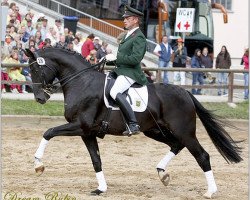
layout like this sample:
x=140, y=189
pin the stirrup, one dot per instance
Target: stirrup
x=132, y=129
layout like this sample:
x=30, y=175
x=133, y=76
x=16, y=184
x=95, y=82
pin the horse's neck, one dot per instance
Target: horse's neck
x=70, y=67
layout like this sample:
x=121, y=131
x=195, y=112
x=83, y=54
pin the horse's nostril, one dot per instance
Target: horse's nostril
x=41, y=101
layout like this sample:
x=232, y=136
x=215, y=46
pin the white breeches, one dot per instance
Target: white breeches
x=122, y=83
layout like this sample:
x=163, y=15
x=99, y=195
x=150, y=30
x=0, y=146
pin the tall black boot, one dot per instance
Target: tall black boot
x=133, y=127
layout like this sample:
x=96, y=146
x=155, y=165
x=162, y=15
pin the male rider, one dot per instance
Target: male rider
x=131, y=51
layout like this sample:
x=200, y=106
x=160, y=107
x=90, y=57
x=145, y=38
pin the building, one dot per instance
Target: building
x=235, y=34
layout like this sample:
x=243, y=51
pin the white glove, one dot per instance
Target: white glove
x=110, y=57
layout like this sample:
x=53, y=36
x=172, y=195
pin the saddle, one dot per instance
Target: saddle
x=136, y=95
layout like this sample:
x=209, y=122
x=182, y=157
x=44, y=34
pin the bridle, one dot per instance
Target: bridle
x=48, y=88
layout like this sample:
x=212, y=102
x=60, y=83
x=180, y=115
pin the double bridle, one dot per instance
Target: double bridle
x=48, y=88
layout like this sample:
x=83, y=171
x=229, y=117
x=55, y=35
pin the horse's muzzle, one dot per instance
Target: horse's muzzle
x=42, y=97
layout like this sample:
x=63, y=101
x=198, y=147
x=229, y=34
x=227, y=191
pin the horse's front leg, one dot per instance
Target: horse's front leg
x=70, y=129
x=92, y=146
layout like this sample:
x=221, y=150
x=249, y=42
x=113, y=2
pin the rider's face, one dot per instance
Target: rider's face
x=130, y=22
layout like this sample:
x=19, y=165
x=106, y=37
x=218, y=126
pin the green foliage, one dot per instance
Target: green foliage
x=56, y=108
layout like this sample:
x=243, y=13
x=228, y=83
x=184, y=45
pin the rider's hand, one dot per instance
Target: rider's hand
x=110, y=57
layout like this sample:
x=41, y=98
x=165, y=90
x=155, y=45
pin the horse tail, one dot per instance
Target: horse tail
x=223, y=142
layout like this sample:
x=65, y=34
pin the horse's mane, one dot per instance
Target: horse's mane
x=75, y=54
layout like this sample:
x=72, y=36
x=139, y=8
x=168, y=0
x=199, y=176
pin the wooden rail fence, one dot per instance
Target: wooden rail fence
x=230, y=86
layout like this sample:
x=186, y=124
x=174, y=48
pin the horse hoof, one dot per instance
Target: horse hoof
x=164, y=177
x=208, y=195
x=96, y=192
x=39, y=168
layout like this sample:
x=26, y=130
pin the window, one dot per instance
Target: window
x=226, y=3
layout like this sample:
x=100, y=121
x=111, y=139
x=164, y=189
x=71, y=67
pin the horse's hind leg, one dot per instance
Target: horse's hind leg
x=92, y=146
x=166, y=137
x=202, y=158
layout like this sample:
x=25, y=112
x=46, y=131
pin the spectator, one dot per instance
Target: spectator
x=70, y=46
x=44, y=29
x=13, y=21
x=47, y=42
x=97, y=43
x=70, y=37
x=180, y=58
x=246, y=75
x=12, y=8
x=24, y=21
x=77, y=45
x=32, y=48
x=7, y=47
x=24, y=34
x=15, y=73
x=5, y=3
x=38, y=39
x=79, y=35
x=88, y=45
x=91, y=58
x=13, y=31
x=26, y=72
x=29, y=27
x=20, y=52
x=207, y=62
x=52, y=36
x=149, y=75
x=39, y=19
x=223, y=61
x=66, y=33
x=31, y=43
x=102, y=51
x=196, y=62
x=18, y=15
x=61, y=43
x=58, y=28
x=164, y=51
x=38, y=28
x=17, y=39
x=4, y=76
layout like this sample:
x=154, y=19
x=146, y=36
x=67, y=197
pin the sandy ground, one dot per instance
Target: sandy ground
x=128, y=164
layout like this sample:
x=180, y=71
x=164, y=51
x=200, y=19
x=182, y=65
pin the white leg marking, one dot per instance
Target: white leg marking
x=212, y=188
x=102, y=185
x=40, y=151
x=163, y=163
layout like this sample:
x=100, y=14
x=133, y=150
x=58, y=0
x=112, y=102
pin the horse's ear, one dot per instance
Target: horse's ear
x=29, y=54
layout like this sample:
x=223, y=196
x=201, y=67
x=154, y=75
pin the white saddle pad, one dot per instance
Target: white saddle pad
x=137, y=96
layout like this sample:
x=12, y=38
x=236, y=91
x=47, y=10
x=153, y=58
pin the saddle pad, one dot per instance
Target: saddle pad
x=137, y=98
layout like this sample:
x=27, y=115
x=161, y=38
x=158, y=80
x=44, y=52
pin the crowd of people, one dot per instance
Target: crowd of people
x=201, y=59
x=33, y=32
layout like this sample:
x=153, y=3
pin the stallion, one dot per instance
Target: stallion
x=170, y=116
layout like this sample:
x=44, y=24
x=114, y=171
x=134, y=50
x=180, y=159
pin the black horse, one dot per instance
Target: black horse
x=170, y=116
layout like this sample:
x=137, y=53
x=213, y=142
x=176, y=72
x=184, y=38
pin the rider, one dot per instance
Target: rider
x=131, y=51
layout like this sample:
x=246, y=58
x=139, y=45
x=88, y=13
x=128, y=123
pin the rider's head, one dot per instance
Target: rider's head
x=131, y=17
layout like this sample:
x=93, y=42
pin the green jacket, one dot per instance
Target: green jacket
x=130, y=53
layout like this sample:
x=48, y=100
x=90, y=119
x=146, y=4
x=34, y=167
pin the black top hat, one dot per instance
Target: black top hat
x=132, y=12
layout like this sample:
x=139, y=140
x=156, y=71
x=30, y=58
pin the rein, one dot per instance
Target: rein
x=49, y=87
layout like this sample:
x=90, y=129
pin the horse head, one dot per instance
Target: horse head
x=43, y=73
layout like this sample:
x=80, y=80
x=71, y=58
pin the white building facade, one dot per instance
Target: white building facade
x=235, y=34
